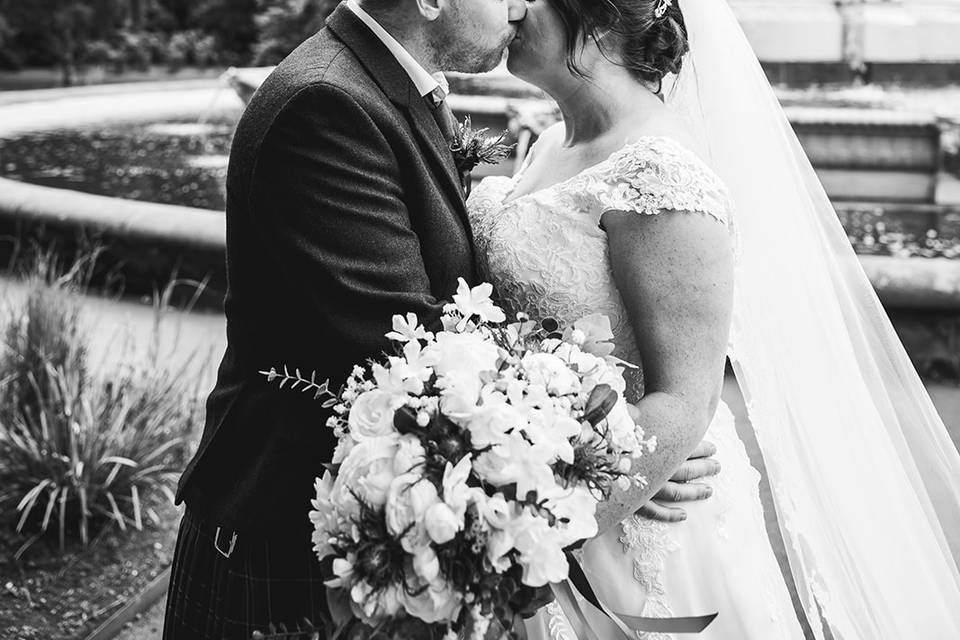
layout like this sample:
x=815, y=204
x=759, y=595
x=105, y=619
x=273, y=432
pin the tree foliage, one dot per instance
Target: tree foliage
x=120, y=34
x=284, y=24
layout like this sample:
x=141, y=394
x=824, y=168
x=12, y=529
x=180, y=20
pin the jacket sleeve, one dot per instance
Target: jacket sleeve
x=327, y=197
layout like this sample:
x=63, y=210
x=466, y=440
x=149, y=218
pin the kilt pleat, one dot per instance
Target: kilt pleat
x=265, y=580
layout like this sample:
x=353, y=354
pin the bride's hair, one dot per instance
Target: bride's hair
x=650, y=47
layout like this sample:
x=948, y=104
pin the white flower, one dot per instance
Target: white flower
x=597, y=333
x=575, y=509
x=442, y=523
x=461, y=360
x=343, y=570
x=489, y=424
x=552, y=431
x=437, y=602
x=372, y=608
x=367, y=471
x=622, y=431
x=409, y=498
x=407, y=374
x=426, y=564
x=324, y=516
x=408, y=329
x=410, y=454
x=396, y=382
x=371, y=416
x=499, y=544
x=456, y=493
x=342, y=450
x=541, y=551
x=517, y=461
x=476, y=302
x=551, y=372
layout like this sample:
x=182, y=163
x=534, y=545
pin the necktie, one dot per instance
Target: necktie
x=442, y=113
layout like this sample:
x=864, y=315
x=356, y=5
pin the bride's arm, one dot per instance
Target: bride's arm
x=674, y=272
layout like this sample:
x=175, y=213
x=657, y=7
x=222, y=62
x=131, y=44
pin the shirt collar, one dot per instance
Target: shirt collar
x=425, y=82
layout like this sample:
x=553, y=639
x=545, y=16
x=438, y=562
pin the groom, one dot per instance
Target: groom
x=344, y=207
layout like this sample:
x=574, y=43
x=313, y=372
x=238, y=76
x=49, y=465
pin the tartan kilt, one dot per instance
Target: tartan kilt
x=264, y=581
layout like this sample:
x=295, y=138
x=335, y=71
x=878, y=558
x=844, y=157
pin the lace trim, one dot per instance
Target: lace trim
x=649, y=543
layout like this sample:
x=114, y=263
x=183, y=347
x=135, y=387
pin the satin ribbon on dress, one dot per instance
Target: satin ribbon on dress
x=629, y=625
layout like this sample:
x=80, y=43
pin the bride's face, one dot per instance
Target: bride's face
x=539, y=52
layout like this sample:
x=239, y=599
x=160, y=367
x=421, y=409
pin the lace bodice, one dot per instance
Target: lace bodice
x=545, y=252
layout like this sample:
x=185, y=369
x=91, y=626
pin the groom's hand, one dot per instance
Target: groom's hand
x=682, y=486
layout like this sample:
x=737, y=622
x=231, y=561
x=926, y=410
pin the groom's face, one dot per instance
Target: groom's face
x=472, y=35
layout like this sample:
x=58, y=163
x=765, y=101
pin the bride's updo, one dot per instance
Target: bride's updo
x=650, y=46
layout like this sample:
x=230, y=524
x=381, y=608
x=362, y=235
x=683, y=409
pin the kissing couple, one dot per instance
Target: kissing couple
x=674, y=199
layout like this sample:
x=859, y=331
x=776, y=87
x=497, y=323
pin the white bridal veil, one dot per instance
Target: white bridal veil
x=865, y=478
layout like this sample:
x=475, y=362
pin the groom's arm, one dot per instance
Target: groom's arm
x=326, y=193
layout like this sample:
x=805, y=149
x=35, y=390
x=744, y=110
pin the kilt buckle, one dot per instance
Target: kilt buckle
x=229, y=551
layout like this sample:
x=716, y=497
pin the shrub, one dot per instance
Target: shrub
x=79, y=452
x=191, y=47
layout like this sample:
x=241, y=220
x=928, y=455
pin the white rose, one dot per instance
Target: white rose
x=550, y=371
x=371, y=416
x=367, y=471
x=408, y=499
x=442, y=523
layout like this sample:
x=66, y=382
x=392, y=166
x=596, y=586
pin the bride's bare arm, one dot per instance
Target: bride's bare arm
x=674, y=272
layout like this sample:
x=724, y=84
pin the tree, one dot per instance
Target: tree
x=284, y=24
x=8, y=59
x=58, y=32
x=231, y=22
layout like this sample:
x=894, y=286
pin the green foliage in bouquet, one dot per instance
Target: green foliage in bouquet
x=78, y=451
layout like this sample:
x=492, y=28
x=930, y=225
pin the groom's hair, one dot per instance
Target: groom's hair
x=650, y=46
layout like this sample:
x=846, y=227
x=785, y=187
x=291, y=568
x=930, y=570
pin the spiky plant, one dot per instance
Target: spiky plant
x=80, y=451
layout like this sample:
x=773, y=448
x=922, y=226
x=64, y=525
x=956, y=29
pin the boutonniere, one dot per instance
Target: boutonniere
x=474, y=147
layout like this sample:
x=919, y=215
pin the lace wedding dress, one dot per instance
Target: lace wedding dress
x=546, y=255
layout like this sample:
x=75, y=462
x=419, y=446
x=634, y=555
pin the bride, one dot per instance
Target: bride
x=698, y=226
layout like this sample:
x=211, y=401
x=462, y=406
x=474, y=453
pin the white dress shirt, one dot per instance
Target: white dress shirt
x=424, y=81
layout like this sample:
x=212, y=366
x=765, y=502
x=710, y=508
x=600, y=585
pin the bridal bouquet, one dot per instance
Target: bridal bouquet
x=467, y=464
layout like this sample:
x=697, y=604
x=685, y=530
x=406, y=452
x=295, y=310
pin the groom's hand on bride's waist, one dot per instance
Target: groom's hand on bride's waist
x=683, y=486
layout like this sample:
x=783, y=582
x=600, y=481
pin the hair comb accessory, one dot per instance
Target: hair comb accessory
x=661, y=8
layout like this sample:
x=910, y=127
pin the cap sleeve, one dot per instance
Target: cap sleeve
x=655, y=175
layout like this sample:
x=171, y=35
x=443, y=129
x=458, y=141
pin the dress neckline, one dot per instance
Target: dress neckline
x=507, y=200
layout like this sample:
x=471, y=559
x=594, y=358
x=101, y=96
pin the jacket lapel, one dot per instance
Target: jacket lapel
x=399, y=88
